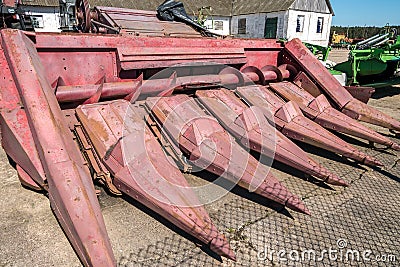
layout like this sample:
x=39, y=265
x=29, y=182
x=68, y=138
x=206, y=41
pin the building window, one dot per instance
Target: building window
x=300, y=23
x=218, y=25
x=242, y=26
x=320, y=24
x=37, y=21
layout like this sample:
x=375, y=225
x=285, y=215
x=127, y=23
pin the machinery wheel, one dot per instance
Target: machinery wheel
x=82, y=8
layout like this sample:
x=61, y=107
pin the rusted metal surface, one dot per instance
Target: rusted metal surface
x=361, y=93
x=334, y=90
x=363, y=112
x=291, y=122
x=137, y=162
x=71, y=193
x=46, y=76
x=320, y=110
x=249, y=126
x=137, y=22
x=210, y=147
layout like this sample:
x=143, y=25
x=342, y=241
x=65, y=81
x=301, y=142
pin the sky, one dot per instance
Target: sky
x=366, y=12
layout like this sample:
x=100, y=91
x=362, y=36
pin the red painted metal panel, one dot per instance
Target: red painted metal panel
x=138, y=163
x=10, y=3
x=17, y=140
x=320, y=110
x=303, y=56
x=91, y=41
x=260, y=57
x=9, y=98
x=71, y=191
x=157, y=57
x=78, y=67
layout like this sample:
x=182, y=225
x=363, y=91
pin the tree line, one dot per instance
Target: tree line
x=360, y=32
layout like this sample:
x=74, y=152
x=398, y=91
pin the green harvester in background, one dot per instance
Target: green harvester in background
x=373, y=62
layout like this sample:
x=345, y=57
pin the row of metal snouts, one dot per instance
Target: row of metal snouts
x=202, y=128
x=251, y=128
x=208, y=128
x=205, y=137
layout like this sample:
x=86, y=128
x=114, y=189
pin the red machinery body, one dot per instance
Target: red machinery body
x=80, y=107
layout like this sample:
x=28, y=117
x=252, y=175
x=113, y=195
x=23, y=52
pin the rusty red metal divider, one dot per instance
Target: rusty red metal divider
x=209, y=146
x=334, y=90
x=134, y=157
x=320, y=110
x=71, y=191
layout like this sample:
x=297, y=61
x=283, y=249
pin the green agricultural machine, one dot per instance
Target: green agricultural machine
x=321, y=52
x=374, y=61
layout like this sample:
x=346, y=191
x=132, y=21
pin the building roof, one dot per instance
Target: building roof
x=224, y=7
x=48, y=3
x=219, y=7
x=242, y=7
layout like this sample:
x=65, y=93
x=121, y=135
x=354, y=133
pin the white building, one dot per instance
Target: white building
x=45, y=14
x=219, y=24
x=308, y=20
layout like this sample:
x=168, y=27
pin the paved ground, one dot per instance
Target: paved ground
x=338, y=55
x=364, y=218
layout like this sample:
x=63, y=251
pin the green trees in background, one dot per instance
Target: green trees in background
x=356, y=32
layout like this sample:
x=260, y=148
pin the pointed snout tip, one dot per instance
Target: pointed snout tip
x=373, y=162
x=335, y=180
x=221, y=246
x=395, y=146
x=294, y=203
